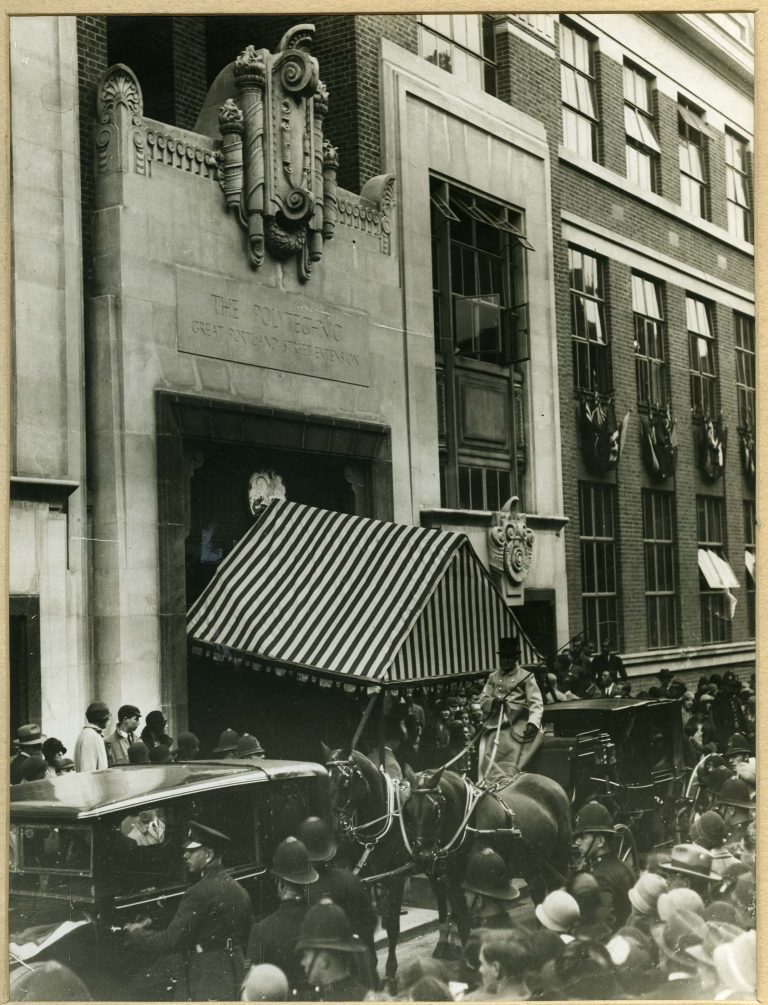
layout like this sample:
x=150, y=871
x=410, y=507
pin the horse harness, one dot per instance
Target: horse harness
x=347, y=820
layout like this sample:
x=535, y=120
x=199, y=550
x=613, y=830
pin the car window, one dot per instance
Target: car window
x=52, y=861
x=292, y=800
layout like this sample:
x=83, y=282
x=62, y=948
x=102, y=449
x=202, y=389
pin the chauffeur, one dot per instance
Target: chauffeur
x=202, y=948
x=512, y=688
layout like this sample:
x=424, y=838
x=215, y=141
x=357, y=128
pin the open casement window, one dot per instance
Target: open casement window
x=481, y=329
x=738, y=186
x=461, y=44
x=716, y=578
x=649, y=343
x=701, y=346
x=745, y=369
x=692, y=156
x=643, y=149
x=577, y=82
x=589, y=334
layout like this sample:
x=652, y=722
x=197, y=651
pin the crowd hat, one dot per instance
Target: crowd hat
x=326, y=926
x=593, y=818
x=30, y=735
x=737, y=744
x=744, y=895
x=680, y=899
x=248, y=744
x=265, y=983
x=584, y=969
x=127, y=712
x=509, y=647
x=715, y=934
x=160, y=754
x=34, y=768
x=645, y=894
x=200, y=836
x=664, y=674
x=97, y=712
x=709, y=829
x=316, y=836
x=156, y=720
x=632, y=956
x=723, y=910
x=558, y=912
x=138, y=753
x=227, y=742
x=53, y=746
x=291, y=863
x=488, y=875
x=736, y=963
x=691, y=860
x=66, y=764
x=585, y=890
x=683, y=930
x=735, y=792
x=716, y=777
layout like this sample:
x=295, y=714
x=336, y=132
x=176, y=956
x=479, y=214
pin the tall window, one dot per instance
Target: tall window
x=701, y=345
x=462, y=44
x=693, y=178
x=714, y=601
x=642, y=146
x=478, y=286
x=577, y=77
x=597, y=533
x=649, y=342
x=659, y=546
x=737, y=191
x=591, y=364
x=749, y=562
x=745, y=369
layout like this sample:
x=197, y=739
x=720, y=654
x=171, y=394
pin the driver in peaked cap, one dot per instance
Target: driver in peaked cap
x=201, y=951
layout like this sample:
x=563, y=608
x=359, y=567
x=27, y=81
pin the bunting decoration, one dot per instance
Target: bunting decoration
x=602, y=438
x=659, y=444
x=712, y=440
x=748, y=451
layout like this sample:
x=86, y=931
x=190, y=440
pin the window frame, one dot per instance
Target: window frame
x=643, y=142
x=737, y=178
x=660, y=551
x=693, y=177
x=745, y=369
x=749, y=510
x=583, y=345
x=710, y=533
x=580, y=101
x=598, y=602
x=704, y=385
x=486, y=33
x=654, y=366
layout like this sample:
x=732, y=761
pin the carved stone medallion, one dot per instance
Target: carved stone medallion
x=510, y=543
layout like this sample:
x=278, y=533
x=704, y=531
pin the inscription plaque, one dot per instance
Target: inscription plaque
x=246, y=323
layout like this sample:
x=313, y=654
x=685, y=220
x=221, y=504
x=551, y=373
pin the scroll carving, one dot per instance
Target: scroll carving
x=510, y=543
x=118, y=140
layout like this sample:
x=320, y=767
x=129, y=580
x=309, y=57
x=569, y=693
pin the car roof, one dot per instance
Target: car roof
x=602, y=704
x=82, y=796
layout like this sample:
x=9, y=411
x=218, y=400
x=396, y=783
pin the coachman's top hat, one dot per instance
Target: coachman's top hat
x=509, y=647
x=326, y=926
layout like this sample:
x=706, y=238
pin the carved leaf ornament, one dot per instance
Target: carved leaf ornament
x=510, y=542
x=278, y=172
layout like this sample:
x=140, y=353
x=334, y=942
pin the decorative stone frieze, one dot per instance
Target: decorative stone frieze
x=369, y=212
x=169, y=147
x=510, y=544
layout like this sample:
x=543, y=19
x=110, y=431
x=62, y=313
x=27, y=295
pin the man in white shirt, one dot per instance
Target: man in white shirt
x=90, y=749
x=120, y=740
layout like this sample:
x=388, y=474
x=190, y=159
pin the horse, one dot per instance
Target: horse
x=527, y=822
x=363, y=816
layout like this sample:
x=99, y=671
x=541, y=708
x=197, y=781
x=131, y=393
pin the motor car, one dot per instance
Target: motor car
x=90, y=853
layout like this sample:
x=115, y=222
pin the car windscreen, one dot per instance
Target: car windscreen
x=52, y=860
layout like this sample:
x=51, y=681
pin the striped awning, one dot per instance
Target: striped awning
x=351, y=597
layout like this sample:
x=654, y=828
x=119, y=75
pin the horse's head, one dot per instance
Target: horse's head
x=425, y=812
x=349, y=787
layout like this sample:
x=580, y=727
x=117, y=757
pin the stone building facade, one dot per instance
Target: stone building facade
x=423, y=371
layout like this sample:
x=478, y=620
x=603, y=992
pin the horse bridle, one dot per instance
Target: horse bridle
x=347, y=817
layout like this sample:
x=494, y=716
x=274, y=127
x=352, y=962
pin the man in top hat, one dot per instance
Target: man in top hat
x=203, y=945
x=341, y=885
x=665, y=677
x=90, y=748
x=329, y=951
x=30, y=739
x=273, y=939
x=512, y=700
x=595, y=838
x=691, y=865
x=120, y=739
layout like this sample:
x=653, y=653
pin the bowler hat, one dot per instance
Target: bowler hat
x=715, y=934
x=201, y=836
x=593, y=818
x=644, y=895
x=291, y=863
x=326, y=926
x=558, y=912
x=682, y=898
x=227, y=742
x=681, y=931
x=691, y=860
x=488, y=875
x=30, y=735
x=316, y=836
x=248, y=744
x=509, y=647
x=736, y=963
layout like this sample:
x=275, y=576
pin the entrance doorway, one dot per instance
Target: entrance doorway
x=24, y=655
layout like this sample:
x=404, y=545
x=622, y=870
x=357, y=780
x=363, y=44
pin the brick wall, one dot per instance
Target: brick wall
x=190, y=84
x=91, y=63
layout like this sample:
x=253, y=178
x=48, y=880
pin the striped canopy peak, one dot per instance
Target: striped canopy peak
x=354, y=597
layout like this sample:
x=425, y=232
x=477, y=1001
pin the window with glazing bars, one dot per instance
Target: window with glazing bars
x=701, y=345
x=642, y=145
x=597, y=536
x=649, y=342
x=714, y=603
x=749, y=561
x=659, y=547
x=737, y=187
x=462, y=44
x=693, y=178
x=591, y=363
x=577, y=80
x=745, y=369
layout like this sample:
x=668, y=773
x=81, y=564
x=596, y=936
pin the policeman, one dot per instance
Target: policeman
x=203, y=945
x=595, y=839
x=330, y=952
x=273, y=939
x=341, y=885
x=515, y=690
x=489, y=891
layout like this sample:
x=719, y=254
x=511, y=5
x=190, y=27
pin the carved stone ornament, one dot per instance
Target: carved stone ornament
x=659, y=445
x=748, y=452
x=277, y=170
x=712, y=439
x=263, y=488
x=120, y=137
x=602, y=437
x=510, y=543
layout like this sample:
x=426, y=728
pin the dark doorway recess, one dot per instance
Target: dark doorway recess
x=537, y=616
x=24, y=658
